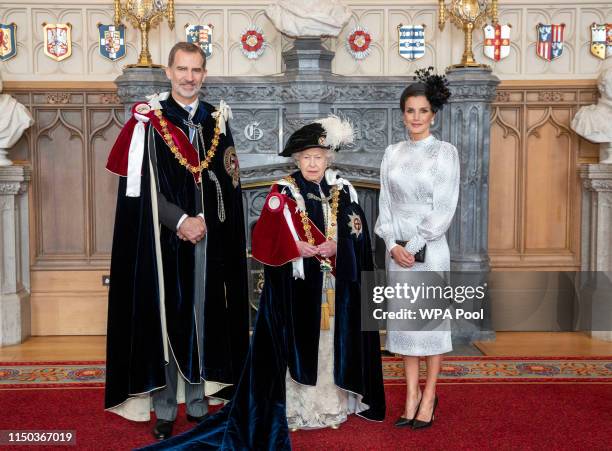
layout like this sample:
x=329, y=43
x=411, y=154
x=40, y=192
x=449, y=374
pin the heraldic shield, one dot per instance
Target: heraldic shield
x=201, y=35
x=411, y=42
x=550, y=41
x=497, y=41
x=8, y=41
x=58, y=40
x=601, y=40
x=111, y=41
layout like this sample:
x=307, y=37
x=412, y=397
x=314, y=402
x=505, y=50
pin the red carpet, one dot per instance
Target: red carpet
x=470, y=416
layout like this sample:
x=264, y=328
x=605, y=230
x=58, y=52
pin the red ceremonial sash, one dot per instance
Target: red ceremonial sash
x=273, y=243
x=118, y=157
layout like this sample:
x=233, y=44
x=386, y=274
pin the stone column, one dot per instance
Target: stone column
x=597, y=229
x=466, y=125
x=14, y=255
x=308, y=93
x=136, y=83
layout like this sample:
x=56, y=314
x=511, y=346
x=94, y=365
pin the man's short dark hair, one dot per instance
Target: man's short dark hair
x=188, y=47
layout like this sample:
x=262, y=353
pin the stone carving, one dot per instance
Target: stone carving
x=473, y=93
x=361, y=91
x=308, y=18
x=267, y=123
x=308, y=93
x=371, y=127
x=593, y=121
x=357, y=173
x=250, y=93
x=598, y=185
x=291, y=125
x=136, y=93
x=266, y=172
x=14, y=120
x=398, y=129
x=11, y=188
x=256, y=199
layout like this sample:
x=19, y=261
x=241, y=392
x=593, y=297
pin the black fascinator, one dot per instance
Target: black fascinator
x=436, y=87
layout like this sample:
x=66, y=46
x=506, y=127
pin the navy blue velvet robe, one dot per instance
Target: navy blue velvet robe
x=287, y=336
x=135, y=361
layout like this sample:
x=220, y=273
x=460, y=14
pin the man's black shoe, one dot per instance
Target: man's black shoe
x=163, y=429
x=197, y=419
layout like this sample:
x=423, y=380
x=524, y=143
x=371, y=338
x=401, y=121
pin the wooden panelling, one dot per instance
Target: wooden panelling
x=68, y=303
x=72, y=201
x=534, y=197
x=73, y=196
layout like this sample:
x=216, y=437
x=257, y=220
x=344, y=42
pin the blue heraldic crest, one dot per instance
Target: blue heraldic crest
x=8, y=42
x=411, y=41
x=111, y=41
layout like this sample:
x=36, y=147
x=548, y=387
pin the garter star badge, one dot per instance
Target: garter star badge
x=230, y=161
x=253, y=42
x=355, y=224
x=8, y=41
x=201, y=35
x=411, y=41
x=497, y=41
x=550, y=41
x=601, y=40
x=112, y=41
x=358, y=43
x=57, y=40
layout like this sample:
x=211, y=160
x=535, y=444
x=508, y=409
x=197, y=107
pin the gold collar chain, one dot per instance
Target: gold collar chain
x=175, y=150
x=330, y=229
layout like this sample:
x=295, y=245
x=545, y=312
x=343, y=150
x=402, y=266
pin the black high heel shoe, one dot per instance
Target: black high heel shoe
x=418, y=424
x=403, y=422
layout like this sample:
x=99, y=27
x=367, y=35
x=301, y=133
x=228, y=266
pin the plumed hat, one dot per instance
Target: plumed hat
x=328, y=133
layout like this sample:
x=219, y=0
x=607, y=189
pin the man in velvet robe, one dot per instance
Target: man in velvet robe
x=178, y=300
x=288, y=326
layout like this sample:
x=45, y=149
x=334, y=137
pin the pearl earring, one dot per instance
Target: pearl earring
x=433, y=122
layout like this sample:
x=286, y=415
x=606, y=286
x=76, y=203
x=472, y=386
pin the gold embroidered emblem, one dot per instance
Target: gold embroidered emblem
x=232, y=167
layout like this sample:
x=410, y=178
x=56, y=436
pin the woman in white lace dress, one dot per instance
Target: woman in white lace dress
x=418, y=196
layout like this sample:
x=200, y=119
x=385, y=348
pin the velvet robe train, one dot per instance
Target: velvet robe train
x=287, y=335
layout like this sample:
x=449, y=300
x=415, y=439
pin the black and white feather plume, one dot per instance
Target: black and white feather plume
x=338, y=132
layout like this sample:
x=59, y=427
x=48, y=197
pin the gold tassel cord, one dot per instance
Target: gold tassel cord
x=325, y=316
x=330, y=294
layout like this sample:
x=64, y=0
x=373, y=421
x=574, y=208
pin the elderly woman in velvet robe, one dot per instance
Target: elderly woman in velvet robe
x=310, y=365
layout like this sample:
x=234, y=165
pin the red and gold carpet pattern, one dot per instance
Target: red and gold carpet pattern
x=454, y=370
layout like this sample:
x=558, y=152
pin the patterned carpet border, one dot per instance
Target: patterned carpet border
x=511, y=369
x=14, y=375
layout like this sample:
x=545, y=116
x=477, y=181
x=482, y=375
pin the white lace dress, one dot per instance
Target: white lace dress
x=419, y=188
